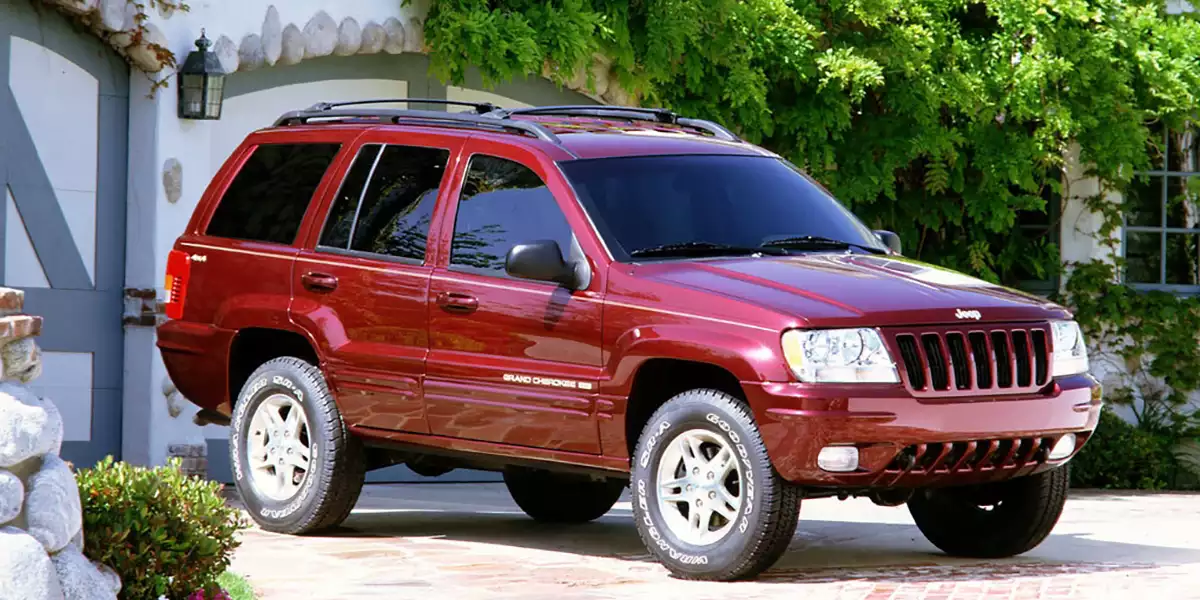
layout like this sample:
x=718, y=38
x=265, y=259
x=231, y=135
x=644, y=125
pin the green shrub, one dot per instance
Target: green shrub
x=164, y=533
x=1119, y=455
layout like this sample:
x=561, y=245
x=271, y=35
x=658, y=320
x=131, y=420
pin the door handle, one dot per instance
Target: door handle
x=457, y=303
x=319, y=283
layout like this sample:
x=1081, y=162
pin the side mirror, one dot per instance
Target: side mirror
x=889, y=239
x=540, y=260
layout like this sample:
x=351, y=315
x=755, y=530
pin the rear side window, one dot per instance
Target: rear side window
x=503, y=203
x=390, y=216
x=268, y=197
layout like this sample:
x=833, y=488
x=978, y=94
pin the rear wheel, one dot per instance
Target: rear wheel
x=994, y=520
x=707, y=502
x=562, y=498
x=296, y=466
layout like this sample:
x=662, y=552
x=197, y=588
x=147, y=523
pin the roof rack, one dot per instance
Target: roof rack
x=480, y=107
x=332, y=112
x=490, y=117
x=658, y=115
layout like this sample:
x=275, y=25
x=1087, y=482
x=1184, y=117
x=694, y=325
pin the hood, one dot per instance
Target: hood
x=826, y=289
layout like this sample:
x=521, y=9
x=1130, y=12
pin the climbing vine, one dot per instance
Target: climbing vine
x=946, y=121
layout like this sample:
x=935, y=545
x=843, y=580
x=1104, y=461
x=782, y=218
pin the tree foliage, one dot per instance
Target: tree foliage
x=944, y=120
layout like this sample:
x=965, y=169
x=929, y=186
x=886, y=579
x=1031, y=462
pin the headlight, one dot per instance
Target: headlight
x=838, y=356
x=1070, y=353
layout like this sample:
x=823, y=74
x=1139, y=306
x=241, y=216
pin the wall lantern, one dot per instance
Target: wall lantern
x=201, y=83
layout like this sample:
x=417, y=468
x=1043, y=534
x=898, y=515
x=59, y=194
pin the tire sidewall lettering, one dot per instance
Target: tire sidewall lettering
x=253, y=391
x=644, y=480
x=743, y=454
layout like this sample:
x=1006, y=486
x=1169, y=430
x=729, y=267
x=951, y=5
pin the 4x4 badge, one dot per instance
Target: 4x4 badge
x=968, y=314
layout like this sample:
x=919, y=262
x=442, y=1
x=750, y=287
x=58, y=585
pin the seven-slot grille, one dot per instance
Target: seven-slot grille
x=966, y=361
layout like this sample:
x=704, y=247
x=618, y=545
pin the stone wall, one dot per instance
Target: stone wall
x=41, y=522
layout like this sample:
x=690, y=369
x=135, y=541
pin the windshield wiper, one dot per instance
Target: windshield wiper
x=803, y=242
x=702, y=249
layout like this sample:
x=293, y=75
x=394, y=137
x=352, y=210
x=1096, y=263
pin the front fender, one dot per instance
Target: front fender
x=751, y=355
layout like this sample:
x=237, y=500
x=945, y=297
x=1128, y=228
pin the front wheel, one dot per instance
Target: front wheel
x=706, y=500
x=994, y=520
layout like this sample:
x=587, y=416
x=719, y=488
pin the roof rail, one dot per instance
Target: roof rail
x=480, y=107
x=658, y=115
x=324, y=112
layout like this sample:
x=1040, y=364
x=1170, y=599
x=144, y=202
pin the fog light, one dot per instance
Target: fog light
x=838, y=459
x=1063, y=447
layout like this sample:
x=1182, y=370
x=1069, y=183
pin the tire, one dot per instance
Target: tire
x=561, y=498
x=329, y=487
x=1024, y=511
x=763, y=508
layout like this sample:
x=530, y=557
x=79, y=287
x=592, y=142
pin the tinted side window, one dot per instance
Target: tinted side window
x=394, y=216
x=502, y=204
x=268, y=197
x=341, y=215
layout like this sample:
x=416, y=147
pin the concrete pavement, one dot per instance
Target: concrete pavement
x=466, y=541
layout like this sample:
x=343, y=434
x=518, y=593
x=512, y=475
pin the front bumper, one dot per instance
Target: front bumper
x=909, y=442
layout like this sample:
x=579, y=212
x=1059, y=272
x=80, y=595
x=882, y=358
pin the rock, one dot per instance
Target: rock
x=27, y=571
x=350, y=38
x=416, y=35
x=78, y=7
x=120, y=39
x=293, y=46
x=12, y=494
x=81, y=579
x=320, y=35
x=374, y=38
x=29, y=427
x=77, y=541
x=22, y=360
x=11, y=300
x=52, y=508
x=112, y=14
x=145, y=56
x=599, y=78
x=395, y=36
x=227, y=53
x=578, y=81
x=172, y=179
x=250, y=53
x=617, y=96
x=272, y=36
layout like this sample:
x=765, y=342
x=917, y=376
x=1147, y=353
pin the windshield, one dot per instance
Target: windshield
x=645, y=203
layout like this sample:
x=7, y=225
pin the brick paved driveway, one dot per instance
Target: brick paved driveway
x=467, y=541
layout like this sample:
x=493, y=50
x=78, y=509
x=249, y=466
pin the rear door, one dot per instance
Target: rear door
x=362, y=280
x=511, y=361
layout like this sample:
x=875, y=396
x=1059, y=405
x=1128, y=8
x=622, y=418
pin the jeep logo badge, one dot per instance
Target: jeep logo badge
x=968, y=314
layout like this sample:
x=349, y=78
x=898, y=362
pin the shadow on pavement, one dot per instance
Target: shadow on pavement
x=822, y=551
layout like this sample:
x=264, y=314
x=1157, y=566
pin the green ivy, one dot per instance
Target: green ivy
x=943, y=120
x=940, y=119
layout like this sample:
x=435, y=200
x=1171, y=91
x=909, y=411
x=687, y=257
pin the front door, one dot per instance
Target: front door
x=511, y=361
x=365, y=281
x=63, y=138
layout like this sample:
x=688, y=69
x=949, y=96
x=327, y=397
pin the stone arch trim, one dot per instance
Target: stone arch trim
x=288, y=44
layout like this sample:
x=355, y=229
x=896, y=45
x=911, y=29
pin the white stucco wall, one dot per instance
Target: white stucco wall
x=201, y=147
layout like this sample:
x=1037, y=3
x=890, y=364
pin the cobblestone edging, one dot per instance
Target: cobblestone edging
x=41, y=521
x=279, y=43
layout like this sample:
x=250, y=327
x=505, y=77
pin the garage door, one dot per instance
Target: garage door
x=63, y=134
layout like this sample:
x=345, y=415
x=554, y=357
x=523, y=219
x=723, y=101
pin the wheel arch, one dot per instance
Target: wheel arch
x=253, y=346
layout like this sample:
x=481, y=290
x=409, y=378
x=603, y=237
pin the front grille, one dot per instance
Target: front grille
x=972, y=456
x=948, y=360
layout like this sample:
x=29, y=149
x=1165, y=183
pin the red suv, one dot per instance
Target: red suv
x=588, y=298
